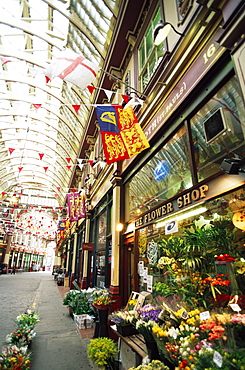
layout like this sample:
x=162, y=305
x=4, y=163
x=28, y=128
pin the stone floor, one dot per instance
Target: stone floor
x=59, y=344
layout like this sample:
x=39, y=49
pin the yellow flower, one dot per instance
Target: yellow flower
x=13, y=359
x=162, y=333
x=156, y=329
x=27, y=361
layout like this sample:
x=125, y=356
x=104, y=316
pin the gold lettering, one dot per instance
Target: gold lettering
x=153, y=215
x=164, y=211
x=195, y=194
x=158, y=212
x=180, y=202
x=203, y=189
x=170, y=207
x=187, y=199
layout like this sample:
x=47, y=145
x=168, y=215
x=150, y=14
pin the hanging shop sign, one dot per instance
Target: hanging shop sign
x=88, y=246
x=176, y=204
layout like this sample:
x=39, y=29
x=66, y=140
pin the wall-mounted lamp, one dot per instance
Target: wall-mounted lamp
x=119, y=227
x=161, y=32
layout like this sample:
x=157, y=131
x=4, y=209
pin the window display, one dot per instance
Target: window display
x=166, y=174
x=226, y=111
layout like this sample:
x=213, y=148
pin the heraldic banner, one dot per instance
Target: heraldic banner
x=122, y=136
x=76, y=206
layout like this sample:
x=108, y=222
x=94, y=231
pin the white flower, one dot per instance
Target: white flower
x=173, y=332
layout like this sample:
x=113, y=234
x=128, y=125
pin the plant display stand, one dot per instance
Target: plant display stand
x=103, y=325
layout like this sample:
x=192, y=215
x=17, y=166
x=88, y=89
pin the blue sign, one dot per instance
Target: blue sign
x=161, y=171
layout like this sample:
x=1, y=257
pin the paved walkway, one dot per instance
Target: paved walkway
x=58, y=344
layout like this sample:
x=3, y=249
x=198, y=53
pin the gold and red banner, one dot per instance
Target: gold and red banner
x=76, y=206
x=122, y=135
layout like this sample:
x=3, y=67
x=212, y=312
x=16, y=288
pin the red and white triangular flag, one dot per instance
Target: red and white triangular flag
x=11, y=150
x=76, y=108
x=41, y=155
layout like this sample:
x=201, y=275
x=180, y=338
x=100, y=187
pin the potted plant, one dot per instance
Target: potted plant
x=103, y=352
x=101, y=299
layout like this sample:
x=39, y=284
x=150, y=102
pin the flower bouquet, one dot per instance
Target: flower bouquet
x=13, y=358
x=148, y=317
x=100, y=299
x=28, y=319
x=125, y=322
x=22, y=336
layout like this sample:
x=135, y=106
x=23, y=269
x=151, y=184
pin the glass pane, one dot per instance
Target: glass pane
x=190, y=254
x=228, y=106
x=142, y=56
x=166, y=174
x=102, y=232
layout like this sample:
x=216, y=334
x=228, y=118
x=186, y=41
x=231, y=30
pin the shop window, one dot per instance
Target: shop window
x=149, y=55
x=101, y=251
x=218, y=130
x=204, y=245
x=165, y=175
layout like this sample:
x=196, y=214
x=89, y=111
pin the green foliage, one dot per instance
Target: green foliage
x=172, y=247
x=198, y=246
x=79, y=301
x=102, y=352
x=231, y=360
x=163, y=289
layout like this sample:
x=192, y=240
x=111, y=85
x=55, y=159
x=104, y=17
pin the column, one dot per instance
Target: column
x=85, y=253
x=66, y=264
x=7, y=253
x=73, y=264
x=116, y=208
x=74, y=254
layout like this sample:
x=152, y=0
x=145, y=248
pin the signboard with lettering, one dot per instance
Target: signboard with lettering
x=170, y=207
x=88, y=246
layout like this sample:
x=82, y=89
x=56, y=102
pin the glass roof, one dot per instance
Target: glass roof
x=40, y=131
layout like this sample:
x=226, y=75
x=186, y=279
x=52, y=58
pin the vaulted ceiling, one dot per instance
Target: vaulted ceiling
x=36, y=140
x=40, y=131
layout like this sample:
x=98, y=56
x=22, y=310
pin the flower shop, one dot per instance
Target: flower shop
x=191, y=263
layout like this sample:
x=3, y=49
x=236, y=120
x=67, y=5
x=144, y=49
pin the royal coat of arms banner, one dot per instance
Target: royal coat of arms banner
x=122, y=136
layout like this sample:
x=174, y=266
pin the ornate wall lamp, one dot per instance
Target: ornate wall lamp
x=161, y=32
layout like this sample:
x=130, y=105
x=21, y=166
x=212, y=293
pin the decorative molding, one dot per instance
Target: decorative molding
x=90, y=139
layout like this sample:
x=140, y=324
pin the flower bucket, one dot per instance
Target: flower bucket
x=126, y=330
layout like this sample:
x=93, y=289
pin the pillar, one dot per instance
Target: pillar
x=68, y=246
x=85, y=253
x=7, y=253
x=116, y=208
x=73, y=263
